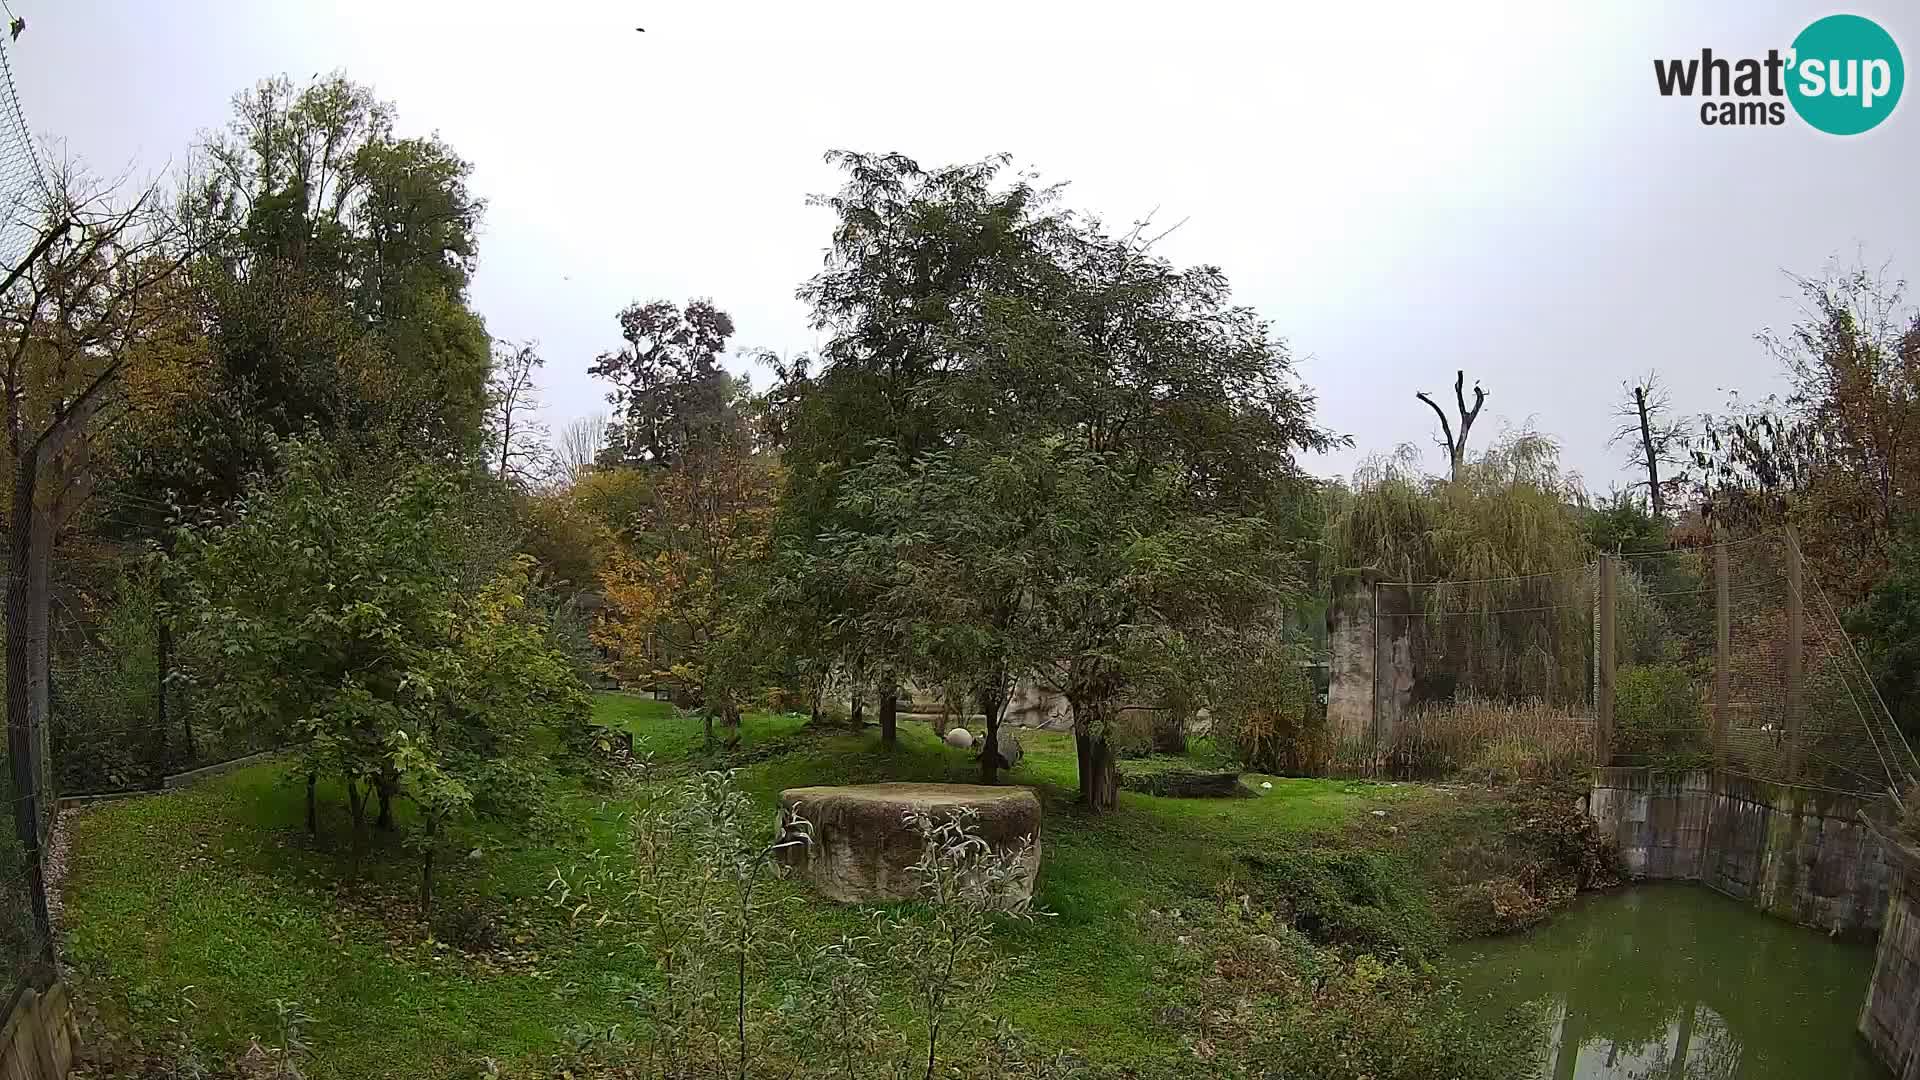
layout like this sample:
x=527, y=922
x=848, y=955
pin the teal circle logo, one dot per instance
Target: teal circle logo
x=1846, y=74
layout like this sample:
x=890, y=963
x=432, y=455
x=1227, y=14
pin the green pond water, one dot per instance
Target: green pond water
x=1672, y=981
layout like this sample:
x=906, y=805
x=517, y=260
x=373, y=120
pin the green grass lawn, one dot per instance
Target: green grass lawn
x=215, y=896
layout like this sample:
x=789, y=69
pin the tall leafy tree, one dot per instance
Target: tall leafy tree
x=331, y=292
x=671, y=395
x=926, y=270
x=75, y=313
x=1180, y=418
x=1154, y=416
x=377, y=624
x=945, y=545
x=681, y=598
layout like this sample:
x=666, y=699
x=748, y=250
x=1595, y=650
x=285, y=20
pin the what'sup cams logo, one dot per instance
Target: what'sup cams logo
x=1842, y=75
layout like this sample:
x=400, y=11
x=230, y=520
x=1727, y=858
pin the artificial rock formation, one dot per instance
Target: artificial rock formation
x=864, y=844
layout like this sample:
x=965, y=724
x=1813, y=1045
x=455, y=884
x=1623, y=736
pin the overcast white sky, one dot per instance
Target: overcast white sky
x=1403, y=191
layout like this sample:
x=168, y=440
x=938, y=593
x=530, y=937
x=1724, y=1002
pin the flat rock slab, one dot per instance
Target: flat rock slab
x=864, y=846
x=1182, y=783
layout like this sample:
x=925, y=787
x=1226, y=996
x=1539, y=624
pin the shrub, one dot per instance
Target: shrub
x=695, y=897
x=1274, y=1003
x=1360, y=901
x=1660, y=718
x=1270, y=719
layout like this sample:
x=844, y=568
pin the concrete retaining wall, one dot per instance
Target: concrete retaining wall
x=1366, y=623
x=1890, y=1017
x=37, y=1041
x=1803, y=855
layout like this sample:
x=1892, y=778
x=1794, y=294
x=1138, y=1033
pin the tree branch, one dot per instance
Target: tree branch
x=1446, y=429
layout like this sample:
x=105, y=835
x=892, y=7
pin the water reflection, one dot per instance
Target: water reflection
x=1679, y=983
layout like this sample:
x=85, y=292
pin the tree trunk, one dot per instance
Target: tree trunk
x=706, y=719
x=39, y=642
x=426, y=870
x=1099, y=779
x=313, y=811
x=25, y=548
x=889, y=703
x=1654, y=494
x=1170, y=733
x=357, y=806
x=162, y=660
x=389, y=785
x=855, y=711
x=992, y=705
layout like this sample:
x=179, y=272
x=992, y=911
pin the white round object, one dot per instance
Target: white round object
x=960, y=738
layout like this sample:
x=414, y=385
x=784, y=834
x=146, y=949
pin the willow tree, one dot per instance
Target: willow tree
x=1498, y=556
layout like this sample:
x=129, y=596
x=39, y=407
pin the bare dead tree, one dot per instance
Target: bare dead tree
x=70, y=315
x=1457, y=447
x=579, y=444
x=1654, y=436
x=517, y=438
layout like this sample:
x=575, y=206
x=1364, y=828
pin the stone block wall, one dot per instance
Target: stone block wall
x=1803, y=855
x=1890, y=1017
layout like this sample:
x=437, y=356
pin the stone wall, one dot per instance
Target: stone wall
x=1350, y=656
x=1804, y=855
x=37, y=1041
x=1890, y=1017
x=1356, y=642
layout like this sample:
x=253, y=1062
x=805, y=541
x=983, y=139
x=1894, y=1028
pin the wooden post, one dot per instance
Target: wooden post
x=1603, y=692
x=1796, y=653
x=1722, y=653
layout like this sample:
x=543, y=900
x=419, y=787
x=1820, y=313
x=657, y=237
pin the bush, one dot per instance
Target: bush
x=1359, y=901
x=1178, y=777
x=1273, y=1003
x=726, y=999
x=1660, y=719
x=1270, y=719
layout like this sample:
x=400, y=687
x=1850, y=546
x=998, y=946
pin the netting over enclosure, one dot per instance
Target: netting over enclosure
x=123, y=717
x=22, y=184
x=1730, y=655
x=1488, y=675
x=1724, y=656
x=26, y=945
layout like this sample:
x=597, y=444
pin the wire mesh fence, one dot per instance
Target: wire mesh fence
x=1725, y=656
x=104, y=711
x=1489, y=676
x=22, y=184
x=123, y=716
x=26, y=942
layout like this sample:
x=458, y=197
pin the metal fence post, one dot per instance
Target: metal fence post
x=1722, y=653
x=1603, y=695
x=1796, y=653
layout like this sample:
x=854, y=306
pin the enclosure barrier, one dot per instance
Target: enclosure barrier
x=1725, y=656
